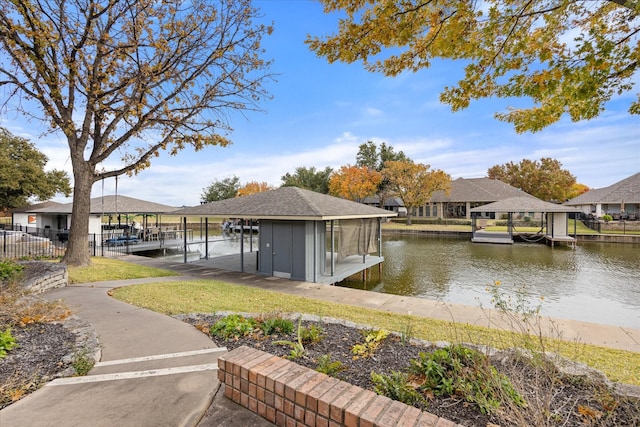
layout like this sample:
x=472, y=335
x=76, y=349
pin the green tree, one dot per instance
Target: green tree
x=564, y=56
x=354, y=183
x=544, y=179
x=221, y=190
x=125, y=80
x=22, y=174
x=309, y=179
x=373, y=157
x=414, y=183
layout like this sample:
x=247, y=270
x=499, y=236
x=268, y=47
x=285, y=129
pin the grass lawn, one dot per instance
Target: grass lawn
x=208, y=296
x=106, y=269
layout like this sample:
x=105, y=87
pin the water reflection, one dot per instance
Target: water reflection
x=595, y=282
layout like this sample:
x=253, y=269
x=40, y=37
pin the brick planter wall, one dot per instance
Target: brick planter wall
x=50, y=276
x=291, y=395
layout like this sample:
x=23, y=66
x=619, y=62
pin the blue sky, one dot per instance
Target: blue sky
x=320, y=113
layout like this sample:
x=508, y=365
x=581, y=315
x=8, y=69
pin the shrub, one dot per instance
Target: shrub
x=10, y=271
x=7, y=342
x=607, y=218
x=311, y=334
x=458, y=370
x=329, y=367
x=396, y=386
x=277, y=325
x=233, y=326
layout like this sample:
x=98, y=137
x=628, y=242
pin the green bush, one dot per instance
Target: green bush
x=458, y=370
x=277, y=325
x=396, y=386
x=607, y=218
x=7, y=342
x=328, y=366
x=10, y=271
x=233, y=326
x=310, y=335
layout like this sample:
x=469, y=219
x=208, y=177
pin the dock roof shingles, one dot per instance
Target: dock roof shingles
x=523, y=204
x=287, y=203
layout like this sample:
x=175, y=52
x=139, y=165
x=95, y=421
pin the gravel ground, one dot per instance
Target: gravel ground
x=575, y=400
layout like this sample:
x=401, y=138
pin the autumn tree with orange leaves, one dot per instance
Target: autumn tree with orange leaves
x=253, y=187
x=414, y=183
x=354, y=183
x=122, y=81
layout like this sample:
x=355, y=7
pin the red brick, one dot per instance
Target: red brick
x=310, y=418
x=221, y=374
x=301, y=392
x=290, y=422
x=228, y=392
x=324, y=402
x=253, y=404
x=269, y=398
x=271, y=414
x=342, y=401
x=389, y=418
x=262, y=409
x=271, y=378
x=253, y=361
x=298, y=412
x=260, y=394
x=334, y=424
x=427, y=419
x=252, y=389
x=228, y=378
x=236, y=395
x=282, y=380
x=278, y=403
x=281, y=418
x=442, y=422
x=261, y=367
x=292, y=386
x=244, y=385
x=244, y=400
x=321, y=421
x=235, y=383
x=371, y=413
x=315, y=393
x=410, y=417
x=288, y=408
x=353, y=410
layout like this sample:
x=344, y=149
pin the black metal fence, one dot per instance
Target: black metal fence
x=31, y=242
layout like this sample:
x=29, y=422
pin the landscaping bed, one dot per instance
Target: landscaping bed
x=549, y=396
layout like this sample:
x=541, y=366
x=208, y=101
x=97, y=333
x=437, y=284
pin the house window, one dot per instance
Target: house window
x=435, y=211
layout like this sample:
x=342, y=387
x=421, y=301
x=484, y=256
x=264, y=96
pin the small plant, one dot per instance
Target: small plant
x=407, y=332
x=458, y=370
x=372, y=340
x=297, y=348
x=82, y=363
x=311, y=334
x=329, y=367
x=233, y=326
x=7, y=342
x=607, y=218
x=277, y=325
x=10, y=271
x=396, y=386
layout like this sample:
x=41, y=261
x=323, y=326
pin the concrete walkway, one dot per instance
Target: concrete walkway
x=158, y=371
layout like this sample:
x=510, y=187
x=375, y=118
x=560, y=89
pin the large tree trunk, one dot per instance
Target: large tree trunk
x=78, y=247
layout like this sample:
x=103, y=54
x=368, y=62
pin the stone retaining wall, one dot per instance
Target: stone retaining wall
x=46, y=275
x=291, y=395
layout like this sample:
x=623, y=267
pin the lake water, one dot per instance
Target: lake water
x=596, y=282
